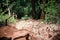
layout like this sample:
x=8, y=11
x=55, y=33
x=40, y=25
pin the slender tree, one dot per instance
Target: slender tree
x=43, y=14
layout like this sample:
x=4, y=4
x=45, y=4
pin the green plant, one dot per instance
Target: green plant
x=4, y=17
x=51, y=12
x=12, y=20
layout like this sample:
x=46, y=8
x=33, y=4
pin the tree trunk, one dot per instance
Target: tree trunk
x=39, y=8
x=33, y=8
x=43, y=14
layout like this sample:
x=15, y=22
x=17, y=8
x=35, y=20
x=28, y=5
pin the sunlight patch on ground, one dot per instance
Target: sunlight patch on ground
x=23, y=24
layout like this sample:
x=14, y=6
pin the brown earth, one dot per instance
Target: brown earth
x=31, y=30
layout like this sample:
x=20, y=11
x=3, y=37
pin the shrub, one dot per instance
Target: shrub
x=4, y=17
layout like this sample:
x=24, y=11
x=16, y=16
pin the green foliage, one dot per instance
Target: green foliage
x=4, y=17
x=26, y=17
x=22, y=8
x=51, y=10
x=27, y=10
x=12, y=20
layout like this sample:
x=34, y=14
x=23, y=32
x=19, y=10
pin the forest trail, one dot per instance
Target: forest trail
x=36, y=29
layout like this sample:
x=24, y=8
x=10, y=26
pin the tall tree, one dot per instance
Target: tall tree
x=33, y=8
x=43, y=14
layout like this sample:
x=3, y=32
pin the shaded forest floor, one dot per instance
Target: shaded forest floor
x=37, y=30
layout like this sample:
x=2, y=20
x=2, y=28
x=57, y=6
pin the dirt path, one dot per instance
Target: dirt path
x=37, y=30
